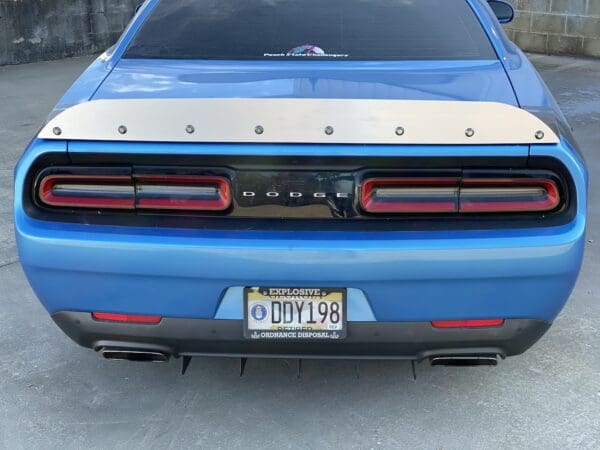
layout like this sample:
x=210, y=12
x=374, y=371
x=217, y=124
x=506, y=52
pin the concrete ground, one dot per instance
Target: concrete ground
x=54, y=394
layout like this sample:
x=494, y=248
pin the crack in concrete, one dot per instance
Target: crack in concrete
x=8, y=264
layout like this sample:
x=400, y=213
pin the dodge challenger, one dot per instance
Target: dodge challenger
x=305, y=179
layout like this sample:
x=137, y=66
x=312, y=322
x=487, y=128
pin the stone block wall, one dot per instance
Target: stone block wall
x=557, y=26
x=37, y=30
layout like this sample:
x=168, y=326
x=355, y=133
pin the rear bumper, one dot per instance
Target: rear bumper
x=377, y=340
x=405, y=277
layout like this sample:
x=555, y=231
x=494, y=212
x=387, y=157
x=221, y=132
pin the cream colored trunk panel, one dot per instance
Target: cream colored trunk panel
x=299, y=121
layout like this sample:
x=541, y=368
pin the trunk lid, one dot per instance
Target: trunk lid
x=483, y=80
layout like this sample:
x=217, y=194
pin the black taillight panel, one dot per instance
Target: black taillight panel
x=280, y=195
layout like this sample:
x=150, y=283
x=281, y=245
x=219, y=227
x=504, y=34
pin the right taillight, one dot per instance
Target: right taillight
x=458, y=195
x=410, y=195
x=508, y=195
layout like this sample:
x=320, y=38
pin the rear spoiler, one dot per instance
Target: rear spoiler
x=300, y=121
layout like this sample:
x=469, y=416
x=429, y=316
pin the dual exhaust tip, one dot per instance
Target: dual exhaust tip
x=464, y=360
x=157, y=356
x=117, y=354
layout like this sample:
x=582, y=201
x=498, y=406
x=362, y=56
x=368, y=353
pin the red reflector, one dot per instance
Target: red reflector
x=126, y=318
x=508, y=195
x=477, y=323
x=410, y=195
x=85, y=191
x=190, y=193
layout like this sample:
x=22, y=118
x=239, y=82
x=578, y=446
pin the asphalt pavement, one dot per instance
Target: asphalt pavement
x=54, y=394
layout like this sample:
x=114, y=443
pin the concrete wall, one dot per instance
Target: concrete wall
x=34, y=30
x=557, y=26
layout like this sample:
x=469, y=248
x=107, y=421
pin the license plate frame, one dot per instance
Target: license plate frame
x=296, y=330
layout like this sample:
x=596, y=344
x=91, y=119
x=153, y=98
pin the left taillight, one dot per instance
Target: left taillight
x=189, y=193
x=131, y=192
x=88, y=191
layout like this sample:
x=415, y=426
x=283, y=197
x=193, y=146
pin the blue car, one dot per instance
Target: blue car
x=284, y=178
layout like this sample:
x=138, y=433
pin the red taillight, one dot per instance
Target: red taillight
x=85, y=191
x=410, y=195
x=455, y=195
x=508, y=195
x=476, y=323
x=126, y=318
x=190, y=193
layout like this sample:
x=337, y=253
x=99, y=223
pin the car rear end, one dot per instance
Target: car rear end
x=250, y=198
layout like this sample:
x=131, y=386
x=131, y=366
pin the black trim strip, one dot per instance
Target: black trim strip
x=372, y=340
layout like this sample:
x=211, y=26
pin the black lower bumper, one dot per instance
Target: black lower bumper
x=369, y=340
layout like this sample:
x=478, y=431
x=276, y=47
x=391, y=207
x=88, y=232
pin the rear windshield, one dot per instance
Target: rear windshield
x=324, y=29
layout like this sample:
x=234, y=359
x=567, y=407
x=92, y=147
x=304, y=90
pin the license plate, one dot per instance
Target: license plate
x=294, y=313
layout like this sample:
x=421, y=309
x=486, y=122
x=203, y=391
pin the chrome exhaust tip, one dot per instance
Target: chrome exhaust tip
x=118, y=354
x=464, y=360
